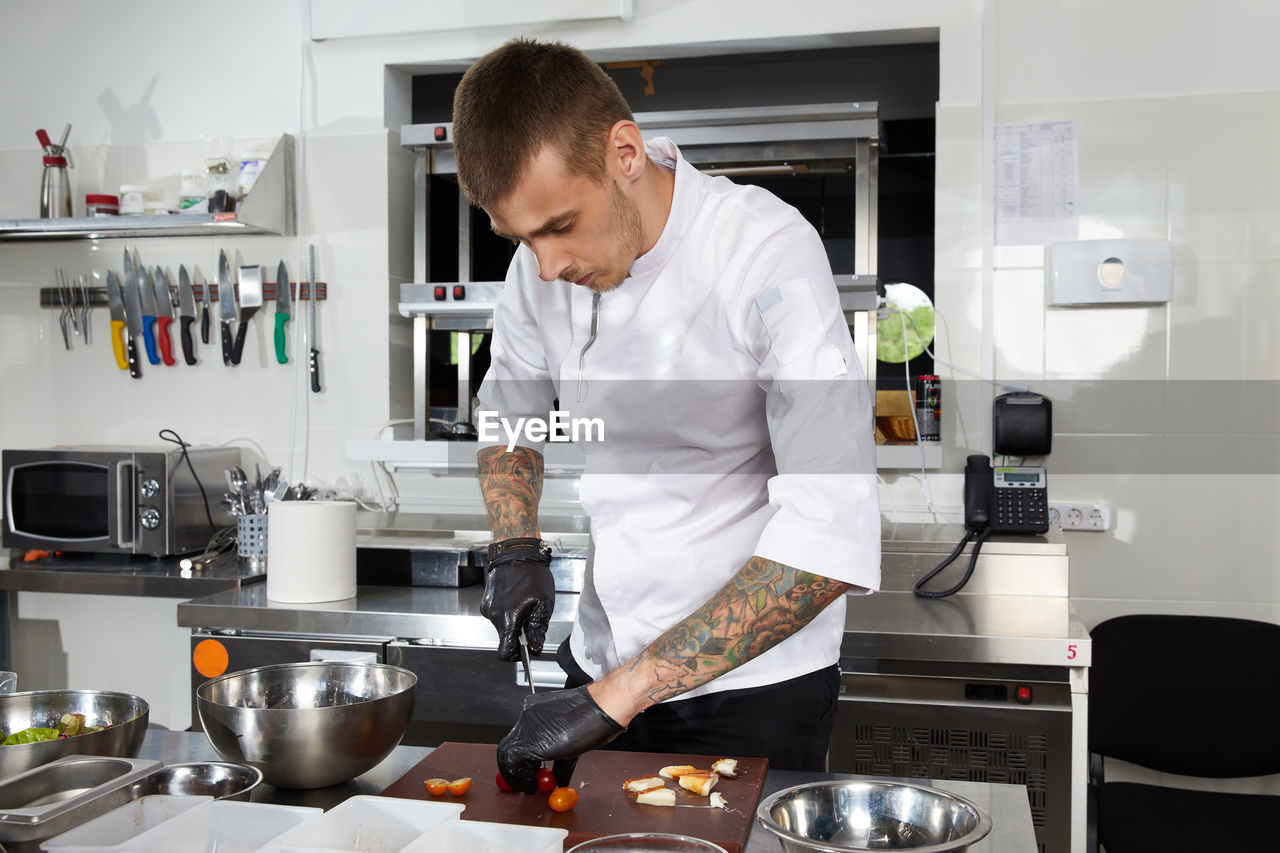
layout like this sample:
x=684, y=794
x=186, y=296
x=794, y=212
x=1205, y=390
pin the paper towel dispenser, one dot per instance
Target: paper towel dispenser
x=1105, y=272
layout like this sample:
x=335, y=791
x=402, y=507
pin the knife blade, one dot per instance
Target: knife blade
x=282, y=311
x=524, y=659
x=206, y=311
x=164, y=316
x=133, y=317
x=115, y=304
x=250, y=301
x=187, y=314
x=147, y=298
x=226, y=305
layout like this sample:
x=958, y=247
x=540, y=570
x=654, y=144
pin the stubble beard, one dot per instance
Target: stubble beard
x=626, y=221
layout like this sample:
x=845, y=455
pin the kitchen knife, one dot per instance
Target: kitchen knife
x=133, y=319
x=205, y=313
x=115, y=304
x=187, y=314
x=250, y=301
x=226, y=305
x=282, y=311
x=147, y=297
x=524, y=659
x=164, y=316
x=314, y=363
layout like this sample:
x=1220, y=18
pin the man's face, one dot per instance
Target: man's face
x=581, y=232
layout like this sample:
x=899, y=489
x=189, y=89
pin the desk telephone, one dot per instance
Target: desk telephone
x=1001, y=500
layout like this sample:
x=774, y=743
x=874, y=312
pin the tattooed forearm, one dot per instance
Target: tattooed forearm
x=511, y=483
x=762, y=605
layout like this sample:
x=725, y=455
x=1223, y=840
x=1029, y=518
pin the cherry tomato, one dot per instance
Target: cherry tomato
x=458, y=787
x=562, y=799
x=437, y=787
x=502, y=784
x=546, y=780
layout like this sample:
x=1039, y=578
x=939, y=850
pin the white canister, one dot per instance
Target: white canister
x=311, y=551
x=251, y=163
x=133, y=200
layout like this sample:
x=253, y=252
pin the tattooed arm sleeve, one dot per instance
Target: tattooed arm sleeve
x=511, y=483
x=760, y=606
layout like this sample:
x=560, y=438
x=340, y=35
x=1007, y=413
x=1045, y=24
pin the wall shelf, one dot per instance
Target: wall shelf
x=269, y=208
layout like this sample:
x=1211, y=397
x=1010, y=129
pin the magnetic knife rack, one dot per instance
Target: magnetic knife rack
x=299, y=291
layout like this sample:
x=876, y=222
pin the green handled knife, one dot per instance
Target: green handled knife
x=282, y=311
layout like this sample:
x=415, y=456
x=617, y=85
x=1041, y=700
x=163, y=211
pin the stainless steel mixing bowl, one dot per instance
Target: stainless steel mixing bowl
x=854, y=815
x=221, y=780
x=308, y=725
x=126, y=714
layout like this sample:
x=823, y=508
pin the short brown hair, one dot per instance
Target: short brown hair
x=522, y=97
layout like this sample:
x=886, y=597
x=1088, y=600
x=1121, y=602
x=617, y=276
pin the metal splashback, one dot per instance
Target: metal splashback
x=839, y=138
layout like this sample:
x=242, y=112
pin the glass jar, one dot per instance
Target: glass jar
x=220, y=185
x=101, y=205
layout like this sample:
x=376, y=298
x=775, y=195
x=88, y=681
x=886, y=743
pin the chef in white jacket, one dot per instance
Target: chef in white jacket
x=689, y=331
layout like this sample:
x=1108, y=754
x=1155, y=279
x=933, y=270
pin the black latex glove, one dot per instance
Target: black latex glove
x=558, y=726
x=519, y=594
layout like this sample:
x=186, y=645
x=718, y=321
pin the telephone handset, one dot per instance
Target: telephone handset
x=1000, y=500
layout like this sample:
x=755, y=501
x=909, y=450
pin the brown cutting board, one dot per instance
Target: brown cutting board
x=603, y=807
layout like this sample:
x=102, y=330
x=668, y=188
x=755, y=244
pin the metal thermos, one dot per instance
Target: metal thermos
x=55, y=193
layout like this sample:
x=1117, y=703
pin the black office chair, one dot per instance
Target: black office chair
x=1194, y=696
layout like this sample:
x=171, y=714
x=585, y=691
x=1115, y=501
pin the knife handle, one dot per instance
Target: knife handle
x=315, y=370
x=204, y=324
x=149, y=338
x=166, y=346
x=131, y=353
x=117, y=344
x=226, y=343
x=281, y=319
x=238, y=350
x=189, y=344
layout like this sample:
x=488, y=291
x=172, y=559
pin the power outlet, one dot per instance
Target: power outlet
x=1091, y=517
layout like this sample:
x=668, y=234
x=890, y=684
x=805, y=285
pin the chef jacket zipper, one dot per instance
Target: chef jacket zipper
x=591, y=339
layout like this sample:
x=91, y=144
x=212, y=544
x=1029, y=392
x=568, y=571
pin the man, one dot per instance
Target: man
x=732, y=494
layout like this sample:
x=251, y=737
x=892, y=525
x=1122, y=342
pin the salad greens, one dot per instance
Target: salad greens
x=69, y=725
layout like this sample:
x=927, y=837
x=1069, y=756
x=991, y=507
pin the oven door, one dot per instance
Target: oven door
x=68, y=502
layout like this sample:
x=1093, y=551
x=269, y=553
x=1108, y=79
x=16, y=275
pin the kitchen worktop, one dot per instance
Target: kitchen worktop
x=114, y=574
x=1007, y=804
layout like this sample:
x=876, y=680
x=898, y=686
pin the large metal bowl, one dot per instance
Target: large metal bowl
x=126, y=714
x=308, y=725
x=854, y=815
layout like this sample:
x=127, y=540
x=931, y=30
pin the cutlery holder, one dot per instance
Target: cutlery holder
x=251, y=539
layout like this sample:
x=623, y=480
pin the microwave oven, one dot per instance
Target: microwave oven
x=113, y=499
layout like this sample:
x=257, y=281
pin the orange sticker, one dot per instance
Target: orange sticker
x=210, y=658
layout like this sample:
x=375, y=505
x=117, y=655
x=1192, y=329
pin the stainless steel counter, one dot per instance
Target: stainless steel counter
x=1007, y=804
x=111, y=574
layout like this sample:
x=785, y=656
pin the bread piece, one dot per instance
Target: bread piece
x=700, y=782
x=726, y=767
x=657, y=797
x=644, y=783
x=675, y=771
x=718, y=801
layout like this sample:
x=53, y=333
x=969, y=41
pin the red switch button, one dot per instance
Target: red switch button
x=459, y=292
x=441, y=134
x=1023, y=694
x=438, y=293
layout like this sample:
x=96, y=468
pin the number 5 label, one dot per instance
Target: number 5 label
x=1071, y=651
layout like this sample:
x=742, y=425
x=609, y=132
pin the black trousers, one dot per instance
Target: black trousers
x=788, y=723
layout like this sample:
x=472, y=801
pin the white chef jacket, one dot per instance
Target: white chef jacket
x=736, y=420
